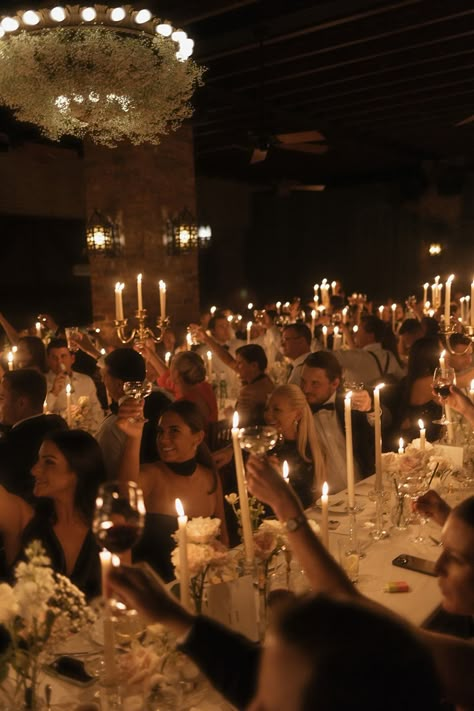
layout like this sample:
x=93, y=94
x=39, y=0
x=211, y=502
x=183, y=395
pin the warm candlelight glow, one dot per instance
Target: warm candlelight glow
x=213, y=310
x=401, y=446
x=325, y=488
x=167, y=358
x=421, y=424
x=179, y=507
x=68, y=389
x=286, y=471
x=10, y=360
x=235, y=420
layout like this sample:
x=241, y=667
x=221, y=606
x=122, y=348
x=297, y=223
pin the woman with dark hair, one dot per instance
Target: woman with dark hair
x=67, y=475
x=185, y=471
x=417, y=400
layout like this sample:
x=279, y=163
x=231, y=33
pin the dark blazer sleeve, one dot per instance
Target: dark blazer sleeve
x=228, y=659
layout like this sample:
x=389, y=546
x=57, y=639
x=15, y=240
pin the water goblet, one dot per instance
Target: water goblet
x=443, y=378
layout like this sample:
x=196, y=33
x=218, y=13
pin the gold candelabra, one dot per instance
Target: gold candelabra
x=141, y=332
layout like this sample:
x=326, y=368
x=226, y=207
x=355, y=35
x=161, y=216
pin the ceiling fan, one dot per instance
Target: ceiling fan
x=300, y=141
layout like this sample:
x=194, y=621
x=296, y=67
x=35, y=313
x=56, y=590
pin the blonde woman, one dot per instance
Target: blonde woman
x=289, y=412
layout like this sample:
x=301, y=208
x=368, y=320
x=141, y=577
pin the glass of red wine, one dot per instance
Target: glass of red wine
x=119, y=517
x=443, y=378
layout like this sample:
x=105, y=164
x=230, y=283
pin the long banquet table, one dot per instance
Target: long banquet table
x=376, y=569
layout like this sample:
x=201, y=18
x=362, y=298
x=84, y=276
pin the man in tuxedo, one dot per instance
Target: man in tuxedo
x=320, y=380
x=22, y=395
x=296, y=347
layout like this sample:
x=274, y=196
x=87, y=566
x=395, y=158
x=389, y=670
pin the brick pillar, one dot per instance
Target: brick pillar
x=139, y=188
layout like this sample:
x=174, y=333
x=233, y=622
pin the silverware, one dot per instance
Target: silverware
x=47, y=695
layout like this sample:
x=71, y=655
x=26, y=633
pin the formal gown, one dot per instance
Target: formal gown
x=86, y=574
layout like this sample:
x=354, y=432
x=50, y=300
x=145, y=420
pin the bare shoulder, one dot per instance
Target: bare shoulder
x=14, y=512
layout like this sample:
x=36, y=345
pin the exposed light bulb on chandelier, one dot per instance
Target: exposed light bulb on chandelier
x=117, y=14
x=164, y=29
x=30, y=18
x=58, y=14
x=10, y=24
x=88, y=14
x=142, y=16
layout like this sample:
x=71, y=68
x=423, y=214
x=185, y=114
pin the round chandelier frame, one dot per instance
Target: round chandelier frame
x=107, y=73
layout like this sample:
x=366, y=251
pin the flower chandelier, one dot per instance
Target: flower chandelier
x=109, y=74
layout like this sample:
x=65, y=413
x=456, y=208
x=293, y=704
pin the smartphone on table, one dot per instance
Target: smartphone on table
x=411, y=562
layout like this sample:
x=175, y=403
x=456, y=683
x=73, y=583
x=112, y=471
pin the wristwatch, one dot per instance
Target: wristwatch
x=293, y=524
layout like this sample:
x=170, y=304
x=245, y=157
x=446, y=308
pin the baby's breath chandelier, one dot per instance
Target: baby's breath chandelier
x=106, y=73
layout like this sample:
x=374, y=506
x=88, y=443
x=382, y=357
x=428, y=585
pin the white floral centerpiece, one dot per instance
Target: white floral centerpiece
x=82, y=415
x=40, y=610
x=209, y=561
x=428, y=464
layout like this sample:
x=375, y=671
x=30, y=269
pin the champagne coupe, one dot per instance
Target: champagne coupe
x=258, y=440
x=119, y=518
x=443, y=378
x=137, y=389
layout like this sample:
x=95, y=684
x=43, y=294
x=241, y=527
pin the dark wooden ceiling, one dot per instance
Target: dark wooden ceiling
x=387, y=83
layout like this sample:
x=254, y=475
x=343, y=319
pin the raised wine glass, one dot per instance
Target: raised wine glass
x=119, y=518
x=443, y=378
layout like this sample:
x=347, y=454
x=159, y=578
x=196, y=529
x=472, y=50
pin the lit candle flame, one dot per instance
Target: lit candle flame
x=286, y=471
x=421, y=424
x=179, y=507
x=325, y=489
x=235, y=420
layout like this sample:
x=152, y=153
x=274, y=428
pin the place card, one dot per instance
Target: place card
x=452, y=453
x=234, y=604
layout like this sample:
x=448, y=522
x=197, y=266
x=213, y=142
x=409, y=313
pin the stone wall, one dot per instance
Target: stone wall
x=139, y=188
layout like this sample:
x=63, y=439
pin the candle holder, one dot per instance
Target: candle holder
x=141, y=332
x=379, y=532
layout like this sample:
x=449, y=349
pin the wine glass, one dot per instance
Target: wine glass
x=443, y=378
x=258, y=439
x=119, y=518
x=72, y=333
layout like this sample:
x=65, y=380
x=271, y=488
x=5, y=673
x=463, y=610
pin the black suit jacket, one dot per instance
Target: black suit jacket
x=19, y=451
x=228, y=659
x=362, y=438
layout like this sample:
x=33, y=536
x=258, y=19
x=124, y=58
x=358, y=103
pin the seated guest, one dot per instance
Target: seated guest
x=22, y=395
x=223, y=344
x=295, y=346
x=251, y=364
x=185, y=471
x=459, y=357
x=120, y=365
x=60, y=373
x=417, y=399
x=320, y=381
x=289, y=412
x=369, y=362
x=66, y=476
x=409, y=332
x=187, y=374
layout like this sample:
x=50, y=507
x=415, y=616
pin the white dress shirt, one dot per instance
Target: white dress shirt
x=333, y=441
x=359, y=365
x=81, y=386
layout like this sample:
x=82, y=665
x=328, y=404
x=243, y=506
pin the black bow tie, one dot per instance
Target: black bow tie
x=317, y=408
